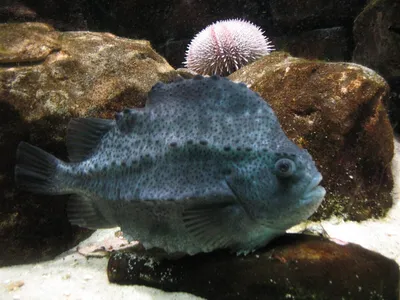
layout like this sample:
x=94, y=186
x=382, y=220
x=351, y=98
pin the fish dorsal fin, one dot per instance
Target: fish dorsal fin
x=211, y=93
x=83, y=212
x=83, y=136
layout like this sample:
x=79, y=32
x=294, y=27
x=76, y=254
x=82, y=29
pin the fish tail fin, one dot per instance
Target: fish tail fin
x=36, y=169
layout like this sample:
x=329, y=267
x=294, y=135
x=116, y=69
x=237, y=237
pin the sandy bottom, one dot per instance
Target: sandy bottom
x=72, y=276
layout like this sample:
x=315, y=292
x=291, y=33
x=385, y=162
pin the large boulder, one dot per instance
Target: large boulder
x=336, y=111
x=47, y=77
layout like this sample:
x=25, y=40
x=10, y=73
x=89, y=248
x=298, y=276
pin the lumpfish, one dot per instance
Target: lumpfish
x=204, y=165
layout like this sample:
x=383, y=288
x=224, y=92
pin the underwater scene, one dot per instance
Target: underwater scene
x=183, y=149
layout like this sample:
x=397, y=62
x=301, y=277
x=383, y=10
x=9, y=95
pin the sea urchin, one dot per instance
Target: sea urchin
x=225, y=46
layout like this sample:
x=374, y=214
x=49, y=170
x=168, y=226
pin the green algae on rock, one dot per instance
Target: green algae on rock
x=336, y=111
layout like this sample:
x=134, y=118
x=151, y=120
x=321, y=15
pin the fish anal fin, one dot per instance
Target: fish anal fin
x=84, y=135
x=82, y=211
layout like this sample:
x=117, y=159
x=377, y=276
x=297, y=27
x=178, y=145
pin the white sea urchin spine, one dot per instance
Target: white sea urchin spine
x=225, y=46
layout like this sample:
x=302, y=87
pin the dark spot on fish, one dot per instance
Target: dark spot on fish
x=227, y=148
x=239, y=149
x=190, y=142
x=204, y=143
x=113, y=163
x=173, y=144
x=248, y=149
x=147, y=155
x=123, y=164
x=226, y=172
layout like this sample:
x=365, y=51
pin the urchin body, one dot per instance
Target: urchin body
x=225, y=46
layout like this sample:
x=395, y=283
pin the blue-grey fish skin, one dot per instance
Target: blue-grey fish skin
x=204, y=165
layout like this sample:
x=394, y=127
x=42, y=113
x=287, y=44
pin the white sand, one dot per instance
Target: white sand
x=73, y=277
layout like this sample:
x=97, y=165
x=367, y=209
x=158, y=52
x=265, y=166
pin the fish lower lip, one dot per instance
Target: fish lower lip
x=314, y=182
x=314, y=192
x=315, y=195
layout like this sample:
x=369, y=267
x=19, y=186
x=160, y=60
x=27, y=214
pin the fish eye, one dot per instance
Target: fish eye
x=285, y=167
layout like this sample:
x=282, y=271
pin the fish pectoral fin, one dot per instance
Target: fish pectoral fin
x=209, y=224
x=83, y=136
x=83, y=212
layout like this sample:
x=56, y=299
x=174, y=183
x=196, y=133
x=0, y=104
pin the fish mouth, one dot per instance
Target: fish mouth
x=314, y=192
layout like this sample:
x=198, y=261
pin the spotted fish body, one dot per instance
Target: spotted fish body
x=204, y=165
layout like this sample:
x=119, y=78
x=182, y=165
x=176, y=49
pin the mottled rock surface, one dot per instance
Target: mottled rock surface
x=293, y=267
x=336, y=111
x=47, y=77
x=27, y=42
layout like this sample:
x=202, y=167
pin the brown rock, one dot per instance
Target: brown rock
x=377, y=37
x=292, y=267
x=46, y=78
x=15, y=11
x=27, y=42
x=336, y=111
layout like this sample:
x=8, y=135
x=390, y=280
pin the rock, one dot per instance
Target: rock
x=12, y=11
x=377, y=45
x=47, y=77
x=292, y=267
x=330, y=44
x=336, y=111
x=27, y=42
x=298, y=16
x=377, y=37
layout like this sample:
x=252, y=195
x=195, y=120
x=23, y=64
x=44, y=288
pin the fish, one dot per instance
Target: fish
x=204, y=165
